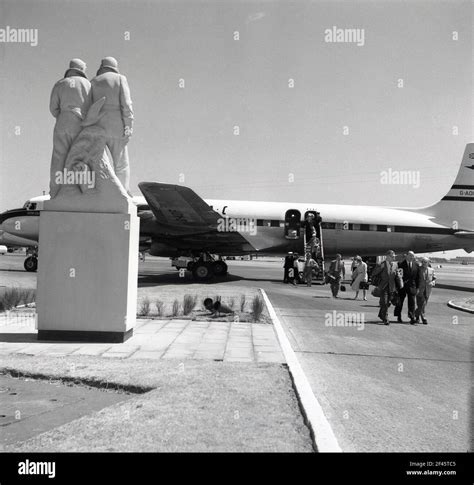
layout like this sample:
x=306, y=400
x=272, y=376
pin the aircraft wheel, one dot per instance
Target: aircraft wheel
x=219, y=268
x=202, y=271
x=31, y=263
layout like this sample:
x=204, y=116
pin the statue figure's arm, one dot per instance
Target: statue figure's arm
x=54, y=106
x=126, y=106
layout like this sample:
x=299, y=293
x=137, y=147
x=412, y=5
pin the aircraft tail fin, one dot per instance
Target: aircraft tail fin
x=456, y=208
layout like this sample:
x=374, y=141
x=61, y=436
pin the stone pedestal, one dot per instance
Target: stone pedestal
x=87, y=276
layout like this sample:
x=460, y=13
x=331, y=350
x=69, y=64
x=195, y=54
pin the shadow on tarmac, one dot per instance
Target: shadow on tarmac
x=13, y=270
x=160, y=279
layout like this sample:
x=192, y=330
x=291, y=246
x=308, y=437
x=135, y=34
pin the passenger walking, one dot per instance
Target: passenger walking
x=336, y=273
x=426, y=279
x=408, y=270
x=309, y=265
x=359, y=277
x=310, y=234
x=69, y=103
x=296, y=270
x=387, y=285
x=354, y=264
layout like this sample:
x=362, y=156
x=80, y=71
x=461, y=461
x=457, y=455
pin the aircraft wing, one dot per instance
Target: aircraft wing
x=179, y=210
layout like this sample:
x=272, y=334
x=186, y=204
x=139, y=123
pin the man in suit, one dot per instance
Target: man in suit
x=118, y=118
x=387, y=271
x=426, y=279
x=408, y=270
x=336, y=273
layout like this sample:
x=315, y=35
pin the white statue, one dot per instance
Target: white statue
x=88, y=182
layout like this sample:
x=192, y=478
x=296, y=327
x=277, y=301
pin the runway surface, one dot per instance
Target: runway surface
x=382, y=388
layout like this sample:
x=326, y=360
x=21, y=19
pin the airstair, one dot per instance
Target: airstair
x=315, y=248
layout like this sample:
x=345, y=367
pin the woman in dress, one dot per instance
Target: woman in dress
x=359, y=275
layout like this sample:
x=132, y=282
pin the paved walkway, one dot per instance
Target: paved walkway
x=155, y=339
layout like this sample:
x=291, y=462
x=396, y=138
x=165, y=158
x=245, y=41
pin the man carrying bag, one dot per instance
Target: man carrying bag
x=388, y=284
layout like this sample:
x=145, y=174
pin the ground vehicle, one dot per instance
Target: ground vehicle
x=182, y=262
x=203, y=267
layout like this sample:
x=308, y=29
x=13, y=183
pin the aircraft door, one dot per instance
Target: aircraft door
x=292, y=224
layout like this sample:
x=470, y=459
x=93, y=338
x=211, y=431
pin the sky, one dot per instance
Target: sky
x=291, y=144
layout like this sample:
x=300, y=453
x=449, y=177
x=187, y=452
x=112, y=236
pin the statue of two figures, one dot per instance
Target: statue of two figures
x=89, y=166
x=88, y=181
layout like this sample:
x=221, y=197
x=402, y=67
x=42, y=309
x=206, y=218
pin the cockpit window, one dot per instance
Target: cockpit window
x=30, y=206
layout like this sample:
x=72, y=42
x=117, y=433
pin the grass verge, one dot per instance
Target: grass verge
x=194, y=406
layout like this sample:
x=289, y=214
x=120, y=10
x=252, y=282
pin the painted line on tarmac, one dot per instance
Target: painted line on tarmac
x=323, y=434
x=459, y=307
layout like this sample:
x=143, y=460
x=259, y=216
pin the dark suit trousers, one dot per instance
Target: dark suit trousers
x=384, y=303
x=402, y=293
x=335, y=285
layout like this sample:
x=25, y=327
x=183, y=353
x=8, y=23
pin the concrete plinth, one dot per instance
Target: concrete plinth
x=87, y=276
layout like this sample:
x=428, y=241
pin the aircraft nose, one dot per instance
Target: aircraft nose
x=4, y=216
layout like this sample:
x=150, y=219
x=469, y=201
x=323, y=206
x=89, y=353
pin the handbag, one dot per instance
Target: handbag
x=376, y=292
x=364, y=285
x=343, y=288
x=329, y=278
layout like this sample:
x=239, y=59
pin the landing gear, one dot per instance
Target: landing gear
x=205, y=266
x=202, y=271
x=31, y=263
x=220, y=268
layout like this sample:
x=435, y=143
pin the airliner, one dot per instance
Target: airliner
x=175, y=221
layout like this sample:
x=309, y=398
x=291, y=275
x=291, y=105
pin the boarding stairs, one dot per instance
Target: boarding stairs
x=316, y=250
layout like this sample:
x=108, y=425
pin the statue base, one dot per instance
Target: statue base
x=87, y=276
